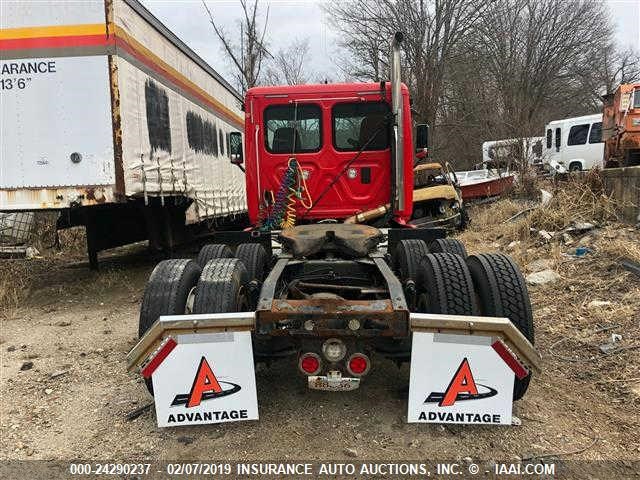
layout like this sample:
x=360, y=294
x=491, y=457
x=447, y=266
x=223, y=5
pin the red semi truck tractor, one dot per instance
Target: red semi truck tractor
x=334, y=296
x=325, y=127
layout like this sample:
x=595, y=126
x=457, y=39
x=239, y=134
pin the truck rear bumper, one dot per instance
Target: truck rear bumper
x=176, y=325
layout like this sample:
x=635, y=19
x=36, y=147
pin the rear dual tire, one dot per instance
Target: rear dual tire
x=502, y=292
x=410, y=253
x=448, y=245
x=407, y=258
x=445, y=285
x=212, y=251
x=221, y=287
x=166, y=293
x=485, y=284
x=217, y=288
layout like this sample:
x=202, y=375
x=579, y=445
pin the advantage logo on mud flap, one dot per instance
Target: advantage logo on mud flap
x=458, y=379
x=207, y=378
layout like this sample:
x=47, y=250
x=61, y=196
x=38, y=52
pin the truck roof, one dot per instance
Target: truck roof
x=584, y=118
x=509, y=140
x=320, y=88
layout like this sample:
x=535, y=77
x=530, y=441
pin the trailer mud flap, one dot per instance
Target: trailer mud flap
x=463, y=369
x=201, y=367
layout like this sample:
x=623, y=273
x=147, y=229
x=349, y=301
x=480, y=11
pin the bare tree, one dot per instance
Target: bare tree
x=610, y=69
x=535, y=51
x=528, y=62
x=432, y=30
x=249, y=56
x=289, y=66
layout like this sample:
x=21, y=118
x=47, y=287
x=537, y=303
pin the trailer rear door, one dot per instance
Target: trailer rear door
x=56, y=107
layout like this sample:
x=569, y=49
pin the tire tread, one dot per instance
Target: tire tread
x=447, y=281
x=219, y=286
x=211, y=251
x=448, y=245
x=503, y=292
x=408, y=255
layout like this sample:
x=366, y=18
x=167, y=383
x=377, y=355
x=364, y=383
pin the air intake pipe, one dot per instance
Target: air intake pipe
x=397, y=191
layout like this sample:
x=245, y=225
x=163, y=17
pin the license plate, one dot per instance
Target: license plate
x=341, y=384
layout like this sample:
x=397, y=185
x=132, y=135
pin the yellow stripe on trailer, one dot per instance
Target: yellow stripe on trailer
x=53, y=31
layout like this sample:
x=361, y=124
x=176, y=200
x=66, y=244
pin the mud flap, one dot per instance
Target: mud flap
x=202, y=368
x=463, y=369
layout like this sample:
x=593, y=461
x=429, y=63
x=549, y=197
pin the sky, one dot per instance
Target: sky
x=287, y=21
x=300, y=19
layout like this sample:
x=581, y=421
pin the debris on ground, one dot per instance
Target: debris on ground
x=546, y=236
x=598, y=303
x=351, y=452
x=133, y=414
x=540, y=264
x=542, y=277
x=631, y=266
x=26, y=366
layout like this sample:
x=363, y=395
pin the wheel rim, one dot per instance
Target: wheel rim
x=188, y=307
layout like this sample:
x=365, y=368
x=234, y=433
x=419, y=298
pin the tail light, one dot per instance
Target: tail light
x=310, y=363
x=358, y=364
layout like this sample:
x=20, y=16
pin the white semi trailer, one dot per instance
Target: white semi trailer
x=112, y=120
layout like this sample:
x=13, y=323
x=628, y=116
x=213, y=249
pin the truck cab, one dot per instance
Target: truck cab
x=621, y=126
x=327, y=129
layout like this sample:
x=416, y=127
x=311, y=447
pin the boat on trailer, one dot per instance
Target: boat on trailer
x=476, y=184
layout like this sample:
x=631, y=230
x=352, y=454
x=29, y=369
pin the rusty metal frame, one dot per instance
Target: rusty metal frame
x=377, y=318
x=383, y=317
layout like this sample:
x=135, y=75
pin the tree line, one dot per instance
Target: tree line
x=477, y=70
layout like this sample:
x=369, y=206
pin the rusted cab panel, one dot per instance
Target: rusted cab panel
x=621, y=126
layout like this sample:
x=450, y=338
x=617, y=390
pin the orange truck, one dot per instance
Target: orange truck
x=621, y=126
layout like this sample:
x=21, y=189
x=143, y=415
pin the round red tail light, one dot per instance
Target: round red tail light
x=358, y=364
x=309, y=363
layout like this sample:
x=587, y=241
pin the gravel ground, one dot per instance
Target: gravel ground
x=66, y=392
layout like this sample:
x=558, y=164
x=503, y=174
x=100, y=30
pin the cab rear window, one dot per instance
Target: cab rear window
x=293, y=128
x=357, y=125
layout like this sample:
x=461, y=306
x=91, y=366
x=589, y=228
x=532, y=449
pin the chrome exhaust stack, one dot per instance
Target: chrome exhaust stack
x=398, y=201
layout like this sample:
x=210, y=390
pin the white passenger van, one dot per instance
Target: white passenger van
x=574, y=144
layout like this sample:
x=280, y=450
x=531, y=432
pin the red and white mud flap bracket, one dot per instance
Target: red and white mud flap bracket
x=463, y=368
x=201, y=367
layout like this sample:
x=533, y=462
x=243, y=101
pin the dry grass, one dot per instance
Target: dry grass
x=569, y=330
x=14, y=280
x=616, y=245
x=578, y=200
